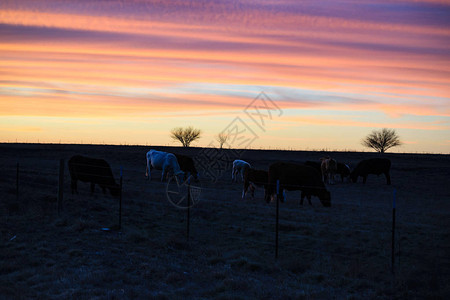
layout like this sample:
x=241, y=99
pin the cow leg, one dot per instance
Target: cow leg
x=244, y=191
x=282, y=195
x=148, y=170
x=164, y=170
x=150, y=173
x=364, y=178
x=104, y=189
x=235, y=175
x=307, y=197
x=73, y=186
x=252, y=189
x=388, y=178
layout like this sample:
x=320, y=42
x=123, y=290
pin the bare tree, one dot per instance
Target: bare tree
x=185, y=135
x=222, y=138
x=382, y=140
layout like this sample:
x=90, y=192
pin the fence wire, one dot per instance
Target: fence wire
x=145, y=199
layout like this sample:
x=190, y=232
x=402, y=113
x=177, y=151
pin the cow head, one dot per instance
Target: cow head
x=196, y=178
x=325, y=198
x=115, y=190
x=193, y=176
x=179, y=175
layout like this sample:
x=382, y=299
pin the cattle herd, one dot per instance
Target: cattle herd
x=310, y=178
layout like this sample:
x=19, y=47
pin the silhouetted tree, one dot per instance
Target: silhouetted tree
x=185, y=135
x=381, y=140
x=222, y=138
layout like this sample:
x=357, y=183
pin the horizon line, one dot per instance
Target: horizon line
x=205, y=147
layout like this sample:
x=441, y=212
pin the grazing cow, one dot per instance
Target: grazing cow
x=254, y=177
x=329, y=168
x=239, y=166
x=297, y=177
x=165, y=161
x=343, y=170
x=187, y=165
x=375, y=166
x=95, y=171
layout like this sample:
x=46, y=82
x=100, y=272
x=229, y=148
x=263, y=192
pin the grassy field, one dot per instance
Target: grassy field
x=341, y=252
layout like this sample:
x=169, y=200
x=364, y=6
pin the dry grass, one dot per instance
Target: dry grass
x=340, y=252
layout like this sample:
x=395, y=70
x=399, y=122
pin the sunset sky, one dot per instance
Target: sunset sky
x=127, y=72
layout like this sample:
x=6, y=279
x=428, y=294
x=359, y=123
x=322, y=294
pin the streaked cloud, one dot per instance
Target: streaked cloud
x=142, y=59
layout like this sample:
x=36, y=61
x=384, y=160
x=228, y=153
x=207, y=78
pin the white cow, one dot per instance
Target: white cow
x=239, y=166
x=165, y=161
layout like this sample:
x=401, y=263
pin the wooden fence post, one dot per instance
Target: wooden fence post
x=61, y=185
x=277, y=219
x=188, y=207
x=393, y=232
x=120, y=198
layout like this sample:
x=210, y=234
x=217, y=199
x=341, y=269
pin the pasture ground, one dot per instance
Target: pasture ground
x=342, y=252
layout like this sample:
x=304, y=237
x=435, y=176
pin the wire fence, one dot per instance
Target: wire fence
x=318, y=231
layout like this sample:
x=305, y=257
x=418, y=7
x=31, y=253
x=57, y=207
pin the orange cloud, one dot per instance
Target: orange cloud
x=111, y=65
x=333, y=121
x=21, y=129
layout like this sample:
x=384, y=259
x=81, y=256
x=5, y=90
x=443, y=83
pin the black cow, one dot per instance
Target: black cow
x=297, y=177
x=314, y=164
x=343, y=170
x=375, y=166
x=187, y=165
x=254, y=177
x=95, y=171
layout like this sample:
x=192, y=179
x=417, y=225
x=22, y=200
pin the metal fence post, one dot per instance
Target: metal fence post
x=17, y=183
x=393, y=231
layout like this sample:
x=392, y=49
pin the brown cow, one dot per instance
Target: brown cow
x=95, y=171
x=375, y=166
x=293, y=177
x=187, y=165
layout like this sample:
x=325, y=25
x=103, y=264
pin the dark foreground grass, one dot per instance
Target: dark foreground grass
x=338, y=253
